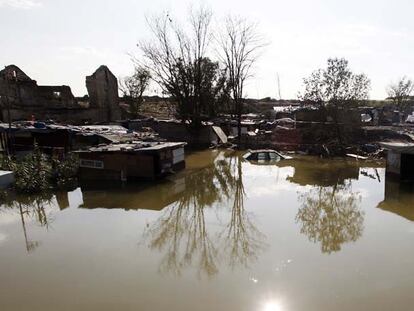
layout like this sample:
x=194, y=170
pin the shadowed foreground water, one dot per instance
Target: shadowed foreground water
x=225, y=234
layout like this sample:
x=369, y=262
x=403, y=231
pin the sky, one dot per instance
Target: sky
x=59, y=42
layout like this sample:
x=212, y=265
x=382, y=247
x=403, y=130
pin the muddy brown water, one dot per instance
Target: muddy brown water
x=225, y=234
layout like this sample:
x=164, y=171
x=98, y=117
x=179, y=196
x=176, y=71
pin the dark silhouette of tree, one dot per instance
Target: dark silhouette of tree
x=336, y=89
x=133, y=88
x=177, y=58
x=400, y=93
x=239, y=47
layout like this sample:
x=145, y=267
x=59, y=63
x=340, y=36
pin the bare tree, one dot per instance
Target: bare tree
x=239, y=47
x=176, y=57
x=336, y=89
x=133, y=88
x=400, y=92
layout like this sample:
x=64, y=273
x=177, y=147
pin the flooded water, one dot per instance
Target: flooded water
x=225, y=234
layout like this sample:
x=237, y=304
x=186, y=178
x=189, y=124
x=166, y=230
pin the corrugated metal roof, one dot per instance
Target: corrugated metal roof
x=134, y=147
x=401, y=147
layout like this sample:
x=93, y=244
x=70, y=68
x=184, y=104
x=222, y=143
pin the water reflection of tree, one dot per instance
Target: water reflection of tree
x=29, y=208
x=243, y=241
x=331, y=216
x=182, y=231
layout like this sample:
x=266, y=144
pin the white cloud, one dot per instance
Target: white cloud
x=20, y=4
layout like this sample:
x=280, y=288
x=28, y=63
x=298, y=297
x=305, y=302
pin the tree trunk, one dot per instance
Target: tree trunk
x=239, y=118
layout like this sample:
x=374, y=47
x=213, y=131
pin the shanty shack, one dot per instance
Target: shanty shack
x=138, y=160
x=400, y=160
x=174, y=130
x=53, y=138
x=21, y=137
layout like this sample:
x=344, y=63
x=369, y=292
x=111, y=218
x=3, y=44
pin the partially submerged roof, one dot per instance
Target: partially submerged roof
x=400, y=147
x=137, y=146
x=163, y=145
x=5, y=172
x=252, y=152
x=262, y=150
x=6, y=179
x=103, y=128
x=110, y=134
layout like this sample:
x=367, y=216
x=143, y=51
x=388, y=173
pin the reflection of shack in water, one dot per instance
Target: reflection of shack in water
x=135, y=196
x=154, y=195
x=398, y=199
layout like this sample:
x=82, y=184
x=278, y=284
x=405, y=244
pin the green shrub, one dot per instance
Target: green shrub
x=33, y=173
x=3, y=196
x=65, y=172
x=7, y=163
x=38, y=172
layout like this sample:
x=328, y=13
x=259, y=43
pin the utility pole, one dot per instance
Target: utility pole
x=278, y=86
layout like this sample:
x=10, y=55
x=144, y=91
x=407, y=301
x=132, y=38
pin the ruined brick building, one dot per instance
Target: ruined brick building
x=23, y=99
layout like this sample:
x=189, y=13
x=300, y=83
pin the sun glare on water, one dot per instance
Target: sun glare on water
x=272, y=306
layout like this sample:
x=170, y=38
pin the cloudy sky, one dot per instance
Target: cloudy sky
x=60, y=41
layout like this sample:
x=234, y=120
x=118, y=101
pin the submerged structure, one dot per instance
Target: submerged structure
x=6, y=179
x=56, y=138
x=265, y=155
x=23, y=99
x=142, y=160
x=400, y=160
x=177, y=131
x=106, y=152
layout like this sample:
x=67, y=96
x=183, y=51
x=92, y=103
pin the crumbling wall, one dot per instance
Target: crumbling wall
x=12, y=72
x=25, y=99
x=102, y=88
x=56, y=96
x=17, y=88
x=70, y=116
